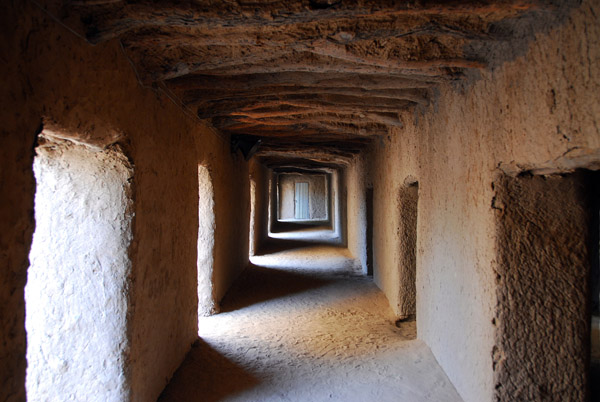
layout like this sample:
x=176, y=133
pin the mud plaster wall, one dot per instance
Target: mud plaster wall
x=232, y=210
x=392, y=162
x=93, y=94
x=338, y=197
x=539, y=110
x=260, y=175
x=206, y=243
x=253, y=212
x=317, y=195
x=357, y=220
x=273, y=195
x=79, y=270
x=542, y=273
x=408, y=201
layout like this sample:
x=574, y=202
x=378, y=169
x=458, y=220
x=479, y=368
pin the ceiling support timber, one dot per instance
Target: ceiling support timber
x=358, y=104
x=255, y=82
x=315, y=81
x=109, y=19
x=198, y=97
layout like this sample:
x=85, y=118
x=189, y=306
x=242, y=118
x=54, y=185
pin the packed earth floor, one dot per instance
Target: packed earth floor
x=303, y=325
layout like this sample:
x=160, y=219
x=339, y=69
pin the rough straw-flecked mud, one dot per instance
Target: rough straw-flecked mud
x=379, y=93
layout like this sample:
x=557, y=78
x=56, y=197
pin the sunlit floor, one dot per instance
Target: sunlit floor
x=303, y=325
x=308, y=232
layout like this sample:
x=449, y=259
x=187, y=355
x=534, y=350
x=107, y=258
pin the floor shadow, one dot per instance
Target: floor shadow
x=280, y=226
x=206, y=376
x=258, y=284
x=407, y=327
x=594, y=380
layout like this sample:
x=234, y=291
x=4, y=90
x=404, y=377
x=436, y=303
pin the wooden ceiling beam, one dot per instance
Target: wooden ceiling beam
x=198, y=97
x=106, y=21
x=322, y=100
x=308, y=160
x=300, y=107
x=315, y=147
x=304, y=129
x=165, y=62
x=355, y=104
x=339, y=52
x=358, y=129
x=254, y=82
x=342, y=32
x=159, y=69
x=323, y=150
x=390, y=119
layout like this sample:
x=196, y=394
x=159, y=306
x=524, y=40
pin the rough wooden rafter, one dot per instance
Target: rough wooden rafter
x=316, y=83
x=108, y=19
x=358, y=104
x=198, y=97
x=255, y=82
x=303, y=116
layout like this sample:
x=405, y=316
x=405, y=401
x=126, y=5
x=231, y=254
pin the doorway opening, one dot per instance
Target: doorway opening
x=206, y=243
x=594, y=379
x=253, y=219
x=301, y=201
x=369, y=234
x=408, y=202
x=302, y=207
x=547, y=241
x=303, y=198
x=76, y=297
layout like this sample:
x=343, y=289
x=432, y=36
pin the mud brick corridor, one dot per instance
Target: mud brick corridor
x=300, y=200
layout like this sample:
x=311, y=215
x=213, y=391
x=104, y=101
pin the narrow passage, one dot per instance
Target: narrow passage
x=304, y=325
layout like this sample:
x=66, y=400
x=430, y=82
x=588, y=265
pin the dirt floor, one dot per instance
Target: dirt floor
x=321, y=234
x=303, y=325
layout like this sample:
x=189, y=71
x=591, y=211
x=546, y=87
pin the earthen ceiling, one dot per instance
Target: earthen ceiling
x=315, y=79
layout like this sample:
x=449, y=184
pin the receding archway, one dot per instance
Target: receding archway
x=303, y=197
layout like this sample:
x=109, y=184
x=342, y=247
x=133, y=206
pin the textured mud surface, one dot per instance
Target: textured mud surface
x=312, y=332
x=319, y=83
x=79, y=269
x=541, y=318
x=408, y=199
x=538, y=112
x=314, y=79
